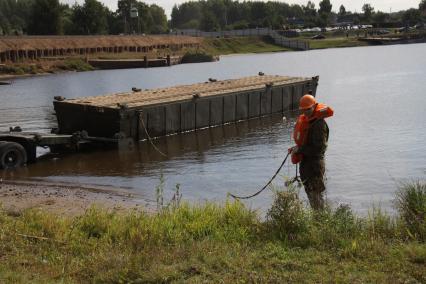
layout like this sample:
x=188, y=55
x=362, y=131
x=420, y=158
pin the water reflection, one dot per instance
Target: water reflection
x=145, y=160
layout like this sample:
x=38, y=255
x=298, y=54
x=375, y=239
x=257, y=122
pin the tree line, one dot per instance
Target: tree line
x=211, y=15
x=50, y=17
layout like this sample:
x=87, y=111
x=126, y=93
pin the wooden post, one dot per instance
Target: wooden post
x=13, y=55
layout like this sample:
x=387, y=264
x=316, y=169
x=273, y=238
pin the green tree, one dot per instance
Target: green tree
x=123, y=12
x=227, y=14
x=15, y=15
x=218, y=8
x=325, y=7
x=145, y=20
x=5, y=10
x=209, y=22
x=342, y=10
x=411, y=16
x=309, y=10
x=159, y=19
x=115, y=23
x=422, y=5
x=186, y=12
x=380, y=18
x=91, y=18
x=67, y=19
x=324, y=12
x=309, y=14
x=259, y=12
x=45, y=18
x=368, y=12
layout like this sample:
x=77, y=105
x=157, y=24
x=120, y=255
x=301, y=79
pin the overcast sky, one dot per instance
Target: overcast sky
x=351, y=5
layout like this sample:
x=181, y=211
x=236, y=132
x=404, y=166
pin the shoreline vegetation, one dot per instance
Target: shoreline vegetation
x=209, y=50
x=219, y=243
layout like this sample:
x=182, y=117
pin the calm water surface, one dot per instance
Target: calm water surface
x=377, y=136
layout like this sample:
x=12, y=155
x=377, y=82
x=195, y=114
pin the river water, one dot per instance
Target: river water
x=377, y=135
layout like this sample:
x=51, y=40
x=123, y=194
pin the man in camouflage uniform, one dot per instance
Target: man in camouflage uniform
x=312, y=165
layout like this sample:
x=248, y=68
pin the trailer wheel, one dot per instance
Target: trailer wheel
x=12, y=155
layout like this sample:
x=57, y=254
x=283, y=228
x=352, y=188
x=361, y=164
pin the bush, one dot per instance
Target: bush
x=197, y=56
x=287, y=217
x=334, y=228
x=75, y=64
x=411, y=205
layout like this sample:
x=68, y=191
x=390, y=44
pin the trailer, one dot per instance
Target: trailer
x=18, y=148
x=119, y=119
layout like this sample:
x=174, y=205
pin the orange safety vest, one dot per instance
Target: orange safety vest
x=301, y=129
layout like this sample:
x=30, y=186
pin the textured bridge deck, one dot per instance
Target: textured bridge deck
x=185, y=92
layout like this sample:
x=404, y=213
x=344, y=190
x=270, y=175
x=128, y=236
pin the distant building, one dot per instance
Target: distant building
x=347, y=20
x=296, y=21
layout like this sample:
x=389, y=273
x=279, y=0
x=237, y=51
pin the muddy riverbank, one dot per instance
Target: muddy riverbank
x=66, y=198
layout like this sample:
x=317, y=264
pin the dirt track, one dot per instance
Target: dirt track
x=66, y=199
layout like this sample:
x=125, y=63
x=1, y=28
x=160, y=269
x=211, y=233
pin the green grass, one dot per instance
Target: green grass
x=20, y=69
x=69, y=64
x=223, y=46
x=75, y=64
x=335, y=42
x=217, y=243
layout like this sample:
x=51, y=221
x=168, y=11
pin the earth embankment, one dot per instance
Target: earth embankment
x=21, y=48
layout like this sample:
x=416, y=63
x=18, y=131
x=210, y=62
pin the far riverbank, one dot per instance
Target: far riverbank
x=212, y=47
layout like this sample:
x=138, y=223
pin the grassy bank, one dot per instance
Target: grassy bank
x=40, y=67
x=219, y=243
x=223, y=46
x=335, y=42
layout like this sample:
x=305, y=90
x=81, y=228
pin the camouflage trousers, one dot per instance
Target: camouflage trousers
x=312, y=176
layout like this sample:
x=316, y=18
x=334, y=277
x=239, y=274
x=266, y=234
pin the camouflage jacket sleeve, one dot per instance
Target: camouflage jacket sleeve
x=316, y=142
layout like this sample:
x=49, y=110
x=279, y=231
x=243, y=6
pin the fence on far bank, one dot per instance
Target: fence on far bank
x=278, y=39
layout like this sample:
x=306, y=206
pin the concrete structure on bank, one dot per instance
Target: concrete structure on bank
x=160, y=112
x=134, y=63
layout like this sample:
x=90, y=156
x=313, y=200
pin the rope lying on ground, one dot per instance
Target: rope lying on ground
x=149, y=137
x=266, y=185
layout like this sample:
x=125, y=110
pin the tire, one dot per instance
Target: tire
x=12, y=155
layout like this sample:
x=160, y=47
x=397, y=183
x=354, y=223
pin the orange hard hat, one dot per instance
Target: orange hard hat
x=306, y=102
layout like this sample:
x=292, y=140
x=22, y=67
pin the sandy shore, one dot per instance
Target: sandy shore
x=66, y=199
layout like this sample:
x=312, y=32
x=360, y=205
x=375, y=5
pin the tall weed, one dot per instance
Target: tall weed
x=411, y=205
x=287, y=217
